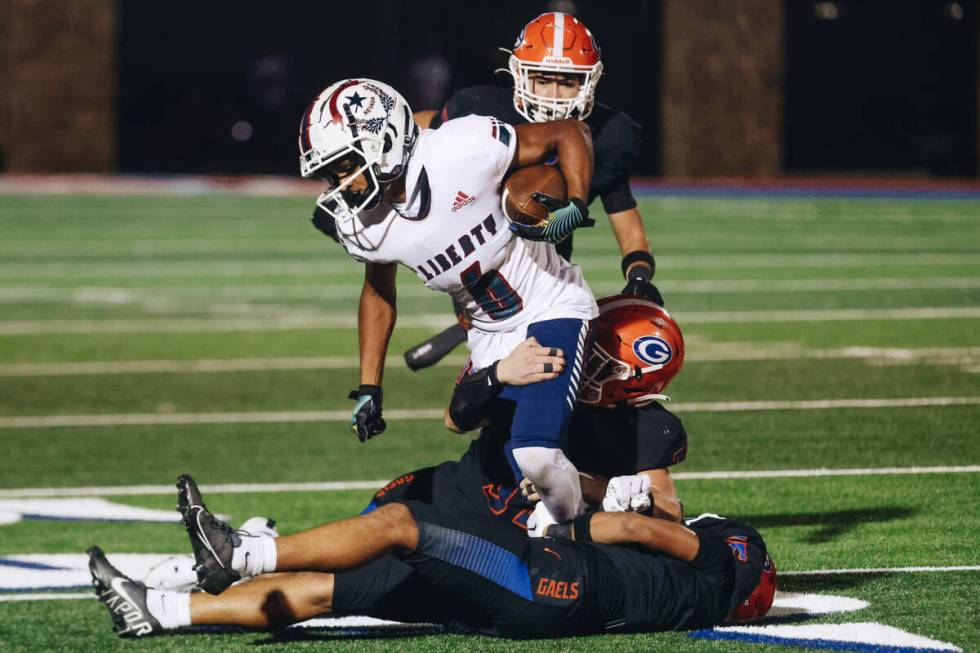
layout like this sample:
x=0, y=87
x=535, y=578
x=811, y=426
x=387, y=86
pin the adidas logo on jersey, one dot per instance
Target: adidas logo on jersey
x=462, y=199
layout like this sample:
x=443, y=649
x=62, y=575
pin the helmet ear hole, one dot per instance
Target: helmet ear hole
x=388, y=144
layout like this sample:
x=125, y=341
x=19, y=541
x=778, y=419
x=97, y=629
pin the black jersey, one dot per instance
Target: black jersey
x=662, y=593
x=616, y=139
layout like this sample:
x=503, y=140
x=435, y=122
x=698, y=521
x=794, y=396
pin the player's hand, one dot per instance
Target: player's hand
x=530, y=363
x=529, y=491
x=539, y=521
x=366, y=419
x=562, y=220
x=640, y=287
x=628, y=494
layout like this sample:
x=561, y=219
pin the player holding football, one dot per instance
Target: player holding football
x=397, y=197
x=477, y=577
x=556, y=66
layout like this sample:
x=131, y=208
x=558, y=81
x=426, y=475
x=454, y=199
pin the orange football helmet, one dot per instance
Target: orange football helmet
x=555, y=43
x=638, y=350
x=761, y=598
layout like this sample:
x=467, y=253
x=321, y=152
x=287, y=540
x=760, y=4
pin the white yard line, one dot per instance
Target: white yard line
x=707, y=352
x=225, y=267
x=120, y=295
x=348, y=320
x=271, y=417
x=879, y=570
x=334, y=486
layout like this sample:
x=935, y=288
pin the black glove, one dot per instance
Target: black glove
x=638, y=284
x=366, y=419
x=562, y=220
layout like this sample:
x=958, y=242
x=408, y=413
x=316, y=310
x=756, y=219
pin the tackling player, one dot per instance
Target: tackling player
x=556, y=67
x=478, y=577
x=431, y=202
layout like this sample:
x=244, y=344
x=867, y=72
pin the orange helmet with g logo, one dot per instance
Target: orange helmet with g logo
x=638, y=350
x=555, y=43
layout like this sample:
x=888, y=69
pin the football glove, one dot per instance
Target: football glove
x=639, y=285
x=628, y=494
x=366, y=419
x=562, y=220
x=539, y=521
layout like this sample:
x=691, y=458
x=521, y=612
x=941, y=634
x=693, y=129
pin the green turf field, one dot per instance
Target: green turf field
x=821, y=333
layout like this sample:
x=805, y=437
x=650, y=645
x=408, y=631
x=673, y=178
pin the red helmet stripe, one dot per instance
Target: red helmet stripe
x=335, y=116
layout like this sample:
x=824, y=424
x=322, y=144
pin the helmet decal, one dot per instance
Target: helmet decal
x=653, y=350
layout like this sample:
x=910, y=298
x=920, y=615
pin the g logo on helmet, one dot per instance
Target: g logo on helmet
x=653, y=350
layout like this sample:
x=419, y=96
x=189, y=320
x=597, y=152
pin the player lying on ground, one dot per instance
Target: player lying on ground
x=556, y=66
x=431, y=202
x=479, y=578
x=625, y=451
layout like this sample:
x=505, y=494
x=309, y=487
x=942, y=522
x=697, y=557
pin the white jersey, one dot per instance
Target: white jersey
x=453, y=234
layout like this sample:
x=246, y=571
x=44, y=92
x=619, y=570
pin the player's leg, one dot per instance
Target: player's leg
x=541, y=418
x=224, y=555
x=267, y=601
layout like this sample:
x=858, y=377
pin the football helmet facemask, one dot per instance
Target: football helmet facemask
x=638, y=350
x=357, y=135
x=555, y=43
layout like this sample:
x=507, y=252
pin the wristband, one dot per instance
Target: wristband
x=583, y=532
x=639, y=256
x=373, y=391
x=563, y=531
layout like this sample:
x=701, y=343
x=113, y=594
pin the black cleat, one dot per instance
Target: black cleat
x=435, y=348
x=124, y=597
x=213, y=540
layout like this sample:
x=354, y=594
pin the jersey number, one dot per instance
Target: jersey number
x=492, y=292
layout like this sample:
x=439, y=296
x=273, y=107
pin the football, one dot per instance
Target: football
x=519, y=207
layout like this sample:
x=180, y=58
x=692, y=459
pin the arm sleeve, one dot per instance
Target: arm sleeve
x=618, y=197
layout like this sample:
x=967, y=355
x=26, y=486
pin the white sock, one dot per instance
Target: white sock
x=171, y=609
x=256, y=555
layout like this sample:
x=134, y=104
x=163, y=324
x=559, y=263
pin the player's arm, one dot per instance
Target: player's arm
x=571, y=141
x=638, y=264
x=528, y=363
x=657, y=535
x=666, y=505
x=375, y=321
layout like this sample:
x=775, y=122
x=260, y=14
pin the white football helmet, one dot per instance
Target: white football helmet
x=364, y=125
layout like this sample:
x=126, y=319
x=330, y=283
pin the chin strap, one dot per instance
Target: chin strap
x=644, y=400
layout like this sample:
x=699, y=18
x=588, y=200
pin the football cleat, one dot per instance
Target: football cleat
x=124, y=597
x=212, y=540
x=435, y=348
x=179, y=573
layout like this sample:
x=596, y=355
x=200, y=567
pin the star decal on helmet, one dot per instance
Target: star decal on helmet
x=356, y=100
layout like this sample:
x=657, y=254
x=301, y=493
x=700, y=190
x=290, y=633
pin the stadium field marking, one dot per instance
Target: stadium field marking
x=267, y=417
x=707, y=353
x=157, y=297
x=348, y=320
x=879, y=570
x=335, y=486
x=142, y=268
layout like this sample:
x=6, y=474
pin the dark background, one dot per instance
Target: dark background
x=869, y=85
